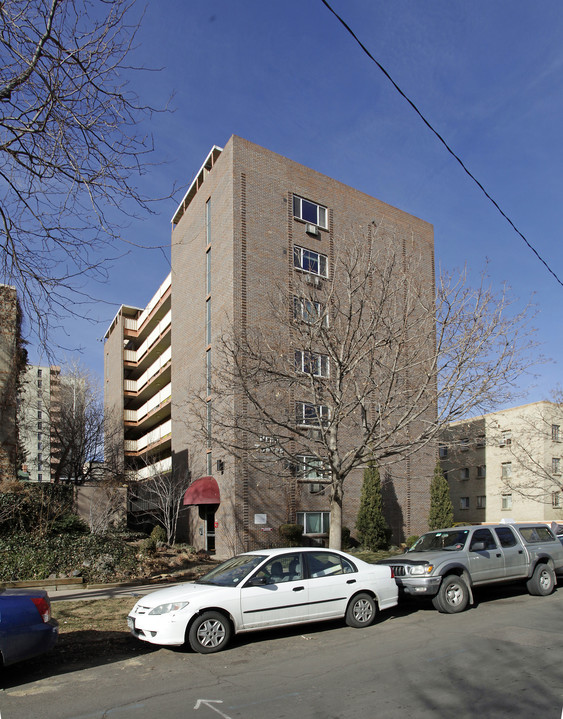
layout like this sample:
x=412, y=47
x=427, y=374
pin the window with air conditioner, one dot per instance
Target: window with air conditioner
x=311, y=363
x=310, y=261
x=311, y=415
x=309, y=211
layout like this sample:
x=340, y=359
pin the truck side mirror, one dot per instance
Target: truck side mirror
x=478, y=547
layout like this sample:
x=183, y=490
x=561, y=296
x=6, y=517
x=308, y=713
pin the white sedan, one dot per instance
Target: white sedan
x=263, y=589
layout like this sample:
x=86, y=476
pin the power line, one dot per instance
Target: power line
x=441, y=139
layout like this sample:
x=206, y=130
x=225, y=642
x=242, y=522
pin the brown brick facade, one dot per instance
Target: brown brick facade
x=8, y=404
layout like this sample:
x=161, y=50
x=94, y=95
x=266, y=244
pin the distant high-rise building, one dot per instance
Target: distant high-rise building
x=38, y=413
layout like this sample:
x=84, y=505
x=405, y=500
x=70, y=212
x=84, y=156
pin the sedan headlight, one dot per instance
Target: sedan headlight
x=170, y=607
x=421, y=569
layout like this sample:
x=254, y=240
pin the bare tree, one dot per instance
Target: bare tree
x=158, y=499
x=369, y=367
x=69, y=148
x=77, y=425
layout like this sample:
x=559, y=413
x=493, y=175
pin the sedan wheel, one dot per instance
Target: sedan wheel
x=210, y=632
x=361, y=611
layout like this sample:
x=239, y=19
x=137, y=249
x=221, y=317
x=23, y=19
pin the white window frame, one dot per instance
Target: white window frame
x=556, y=499
x=321, y=212
x=556, y=465
x=308, y=311
x=312, y=363
x=301, y=518
x=299, y=255
x=555, y=433
x=506, y=470
x=310, y=467
x=305, y=417
x=506, y=502
x=506, y=439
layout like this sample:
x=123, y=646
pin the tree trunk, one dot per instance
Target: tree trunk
x=335, y=533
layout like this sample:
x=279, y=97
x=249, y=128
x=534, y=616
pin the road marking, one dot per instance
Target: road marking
x=209, y=703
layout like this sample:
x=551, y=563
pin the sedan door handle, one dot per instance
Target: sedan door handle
x=298, y=589
x=350, y=581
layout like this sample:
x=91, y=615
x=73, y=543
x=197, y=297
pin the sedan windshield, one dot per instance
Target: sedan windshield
x=450, y=540
x=233, y=571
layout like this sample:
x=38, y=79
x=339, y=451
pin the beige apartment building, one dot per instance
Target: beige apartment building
x=251, y=219
x=506, y=464
x=38, y=412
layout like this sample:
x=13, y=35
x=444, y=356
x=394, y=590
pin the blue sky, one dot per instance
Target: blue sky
x=487, y=74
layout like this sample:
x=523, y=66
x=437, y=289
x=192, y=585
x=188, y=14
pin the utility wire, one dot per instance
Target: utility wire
x=441, y=139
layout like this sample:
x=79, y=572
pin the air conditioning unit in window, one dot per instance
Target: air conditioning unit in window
x=311, y=229
x=314, y=281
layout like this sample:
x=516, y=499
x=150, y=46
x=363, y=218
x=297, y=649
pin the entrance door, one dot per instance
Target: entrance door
x=207, y=513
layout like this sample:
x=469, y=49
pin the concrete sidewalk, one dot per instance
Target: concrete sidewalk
x=105, y=591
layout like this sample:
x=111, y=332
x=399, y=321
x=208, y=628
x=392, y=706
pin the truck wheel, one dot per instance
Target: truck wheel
x=453, y=595
x=542, y=581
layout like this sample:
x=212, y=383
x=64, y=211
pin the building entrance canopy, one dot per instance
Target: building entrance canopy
x=204, y=490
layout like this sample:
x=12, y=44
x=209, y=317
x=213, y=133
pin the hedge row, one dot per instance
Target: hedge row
x=96, y=558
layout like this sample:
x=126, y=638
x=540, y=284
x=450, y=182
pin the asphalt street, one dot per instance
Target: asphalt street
x=502, y=658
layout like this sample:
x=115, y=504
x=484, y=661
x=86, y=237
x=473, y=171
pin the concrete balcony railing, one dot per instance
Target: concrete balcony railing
x=151, y=470
x=136, y=415
x=132, y=385
x=155, y=435
x=138, y=354
x=136, y=324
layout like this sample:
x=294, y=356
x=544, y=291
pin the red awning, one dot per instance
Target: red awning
x=204, y=490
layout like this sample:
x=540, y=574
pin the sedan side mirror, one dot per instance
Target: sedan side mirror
x=257, y=582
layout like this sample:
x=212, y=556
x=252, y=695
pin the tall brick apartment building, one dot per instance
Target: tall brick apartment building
x=250, y=219
x=8, y=405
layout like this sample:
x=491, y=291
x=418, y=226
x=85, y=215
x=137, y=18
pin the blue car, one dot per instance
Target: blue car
x=26, y=627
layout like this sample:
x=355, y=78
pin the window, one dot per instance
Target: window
x=556, y=465
x=481, y=442
x=39, y=477
x=208, y=371
x=39, y=425
x=208, y=272
x=556, y=499
x=208, y=222
x=506, y=470
x=208, y=321
x=483, y=535
x=464, y=502
x=310, y=261
x=208, y=424
x=314, y=522
x=39, y=372
x=305, y=310
x=506, y=501
x=311, y=414
x=464, y=473
x=555, y=433
x=481, y=471
x=506, y=438
x=481, y=501
x=39, y=414
x=465, y=444
x=310, y=467
x=443, y=451
x=536, y=534
x=311, y=363
x=324, y=564
x=284, y=568
x=309, y=211
x=506, y=536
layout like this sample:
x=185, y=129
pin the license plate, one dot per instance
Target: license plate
x=131, y=623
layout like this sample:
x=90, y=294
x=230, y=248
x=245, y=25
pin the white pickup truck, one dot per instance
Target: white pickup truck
x=448, y=563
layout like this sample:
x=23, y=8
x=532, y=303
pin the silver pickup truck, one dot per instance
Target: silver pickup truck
x=446, y=564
